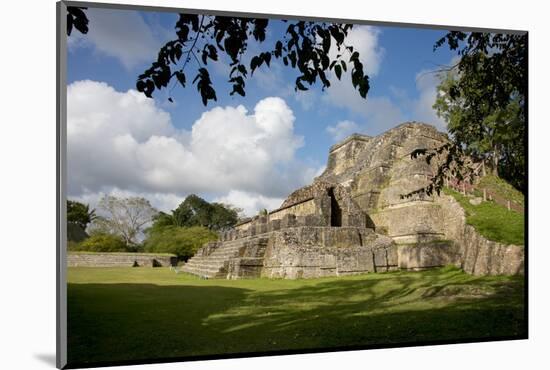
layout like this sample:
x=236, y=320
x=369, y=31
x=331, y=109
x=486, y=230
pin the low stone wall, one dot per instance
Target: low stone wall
x=426, y=255
x=478, y=255
x=84, y=259
x=484, y=257
x=310, y=252
x=299, y=209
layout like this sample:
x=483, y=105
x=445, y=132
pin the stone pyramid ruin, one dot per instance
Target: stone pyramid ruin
x=352, y=219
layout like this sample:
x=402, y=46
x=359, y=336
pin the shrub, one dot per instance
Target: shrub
x=75, y=232
x=72, y=245
x=101, y=243
x=181, y=241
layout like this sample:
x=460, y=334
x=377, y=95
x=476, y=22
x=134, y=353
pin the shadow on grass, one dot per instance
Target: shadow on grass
x=117, y=322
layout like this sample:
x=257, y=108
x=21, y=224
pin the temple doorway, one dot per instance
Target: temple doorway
x=335, y=210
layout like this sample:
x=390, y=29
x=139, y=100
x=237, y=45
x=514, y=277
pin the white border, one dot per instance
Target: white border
x=29, y=181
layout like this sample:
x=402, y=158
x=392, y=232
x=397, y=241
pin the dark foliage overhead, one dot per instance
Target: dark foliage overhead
x=76, y=18
x=483, y=100
x=203, y=39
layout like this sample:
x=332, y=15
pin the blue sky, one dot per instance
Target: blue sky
x=249, y=151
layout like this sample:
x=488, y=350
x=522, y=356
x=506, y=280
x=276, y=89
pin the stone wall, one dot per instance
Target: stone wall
x=477, y=255
x=344, y=155
x=310, y=252
x=320, y=204
x=85, y=259
x=382, y=171
x=299, y=209
x=424, y=255
x=411, y=222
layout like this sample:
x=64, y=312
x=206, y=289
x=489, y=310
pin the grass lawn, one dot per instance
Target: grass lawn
x=501, y=187
x=117, y=314
x=492, y=220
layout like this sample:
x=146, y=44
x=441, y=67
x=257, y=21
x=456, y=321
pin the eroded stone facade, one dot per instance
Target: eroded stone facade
x=353, y=219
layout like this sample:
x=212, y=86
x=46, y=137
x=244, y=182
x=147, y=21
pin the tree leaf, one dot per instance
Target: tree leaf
x=181, y=78
x=344, y=67
x=338, y=71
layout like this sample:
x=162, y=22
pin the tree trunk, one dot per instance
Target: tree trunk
x=496, y=157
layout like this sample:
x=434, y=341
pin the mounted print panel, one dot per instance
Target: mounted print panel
x=236, y=185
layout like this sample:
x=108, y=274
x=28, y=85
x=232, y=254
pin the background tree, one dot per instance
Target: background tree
x=482, y=98
x=79, y=213
x=193, y=223
x=125, y=217
x=498, y=139
x=195, y=211
x=79, y=216
x=101, y=243
x=201, y=39
x=181, y=241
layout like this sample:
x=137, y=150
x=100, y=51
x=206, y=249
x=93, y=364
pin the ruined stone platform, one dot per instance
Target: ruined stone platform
x=297, y=252
x=353, y=219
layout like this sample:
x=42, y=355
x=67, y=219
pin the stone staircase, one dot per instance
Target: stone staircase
x=214, y=265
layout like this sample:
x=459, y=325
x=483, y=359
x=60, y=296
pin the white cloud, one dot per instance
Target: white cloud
x=161, y=201
x=251, y=203
x=122, y=140
x=118, y=33
x=364, y=40
x=343, y=129
x=426, y=85
x=379, y=112
x=320, y=170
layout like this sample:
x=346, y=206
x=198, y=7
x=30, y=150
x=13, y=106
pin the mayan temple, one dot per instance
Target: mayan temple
x=353, y=219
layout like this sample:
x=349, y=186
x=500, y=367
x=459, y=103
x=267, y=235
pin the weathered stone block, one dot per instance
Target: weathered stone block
x=313, y=220
x=380, y=257
x=434, y=254
x=261, y=228
x=262, y=219
x=288, y=220
x=274, y=225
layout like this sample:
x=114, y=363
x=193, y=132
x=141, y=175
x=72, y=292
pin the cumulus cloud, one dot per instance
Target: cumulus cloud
x=251, y=203
x=379, y=113
x=118, y=33
x=122, y=140
x=364, y=40
x=343, y=129
x=161, y=201
x=426, y=85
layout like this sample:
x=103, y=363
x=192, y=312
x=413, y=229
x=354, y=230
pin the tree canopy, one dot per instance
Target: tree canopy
x=181, y=241
x=125, y=217
x=79, y=214
x=195, y=211
x=203, y=39
x=482, y=98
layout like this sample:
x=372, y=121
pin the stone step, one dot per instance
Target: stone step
x=215, y=264
x=208, y=273
x=219, y=262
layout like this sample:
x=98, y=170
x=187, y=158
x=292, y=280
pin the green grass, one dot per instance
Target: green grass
x=501, y=187
x=117, y=314
x=493, y=221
